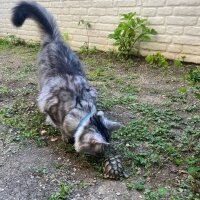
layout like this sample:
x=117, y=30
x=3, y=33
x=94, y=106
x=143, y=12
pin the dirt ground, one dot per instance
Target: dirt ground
x=29, y=171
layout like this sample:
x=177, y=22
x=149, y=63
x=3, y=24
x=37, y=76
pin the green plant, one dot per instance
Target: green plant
x=87, y=26
x=193, y=78
x=131, y=29
x=62, y=193
x=14, y=40
x=84, y=49
x=178, y=63
x=65, y=36
x=140, y=186
x=155, y=195
x=157, y=60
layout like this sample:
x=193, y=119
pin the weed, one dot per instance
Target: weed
x=63, y=192
x=82, y=184
x=14, y=41
x=140, y=186
x=131, y=29
x=26, y=118
x=157, y=60
x=4, y=91
x=193, y=78
x=39, y=171
x=155, y=195
x=178, y=63
x=87, y=26
x=108, y=103
x=65, y=36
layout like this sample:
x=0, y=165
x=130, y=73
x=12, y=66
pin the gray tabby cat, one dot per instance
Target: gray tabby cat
x=65, y=97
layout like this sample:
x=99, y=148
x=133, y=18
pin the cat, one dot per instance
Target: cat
x=65, y=96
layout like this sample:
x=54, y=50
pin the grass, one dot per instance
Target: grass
x=63, y=192
x=26, y=118
x=156, y=139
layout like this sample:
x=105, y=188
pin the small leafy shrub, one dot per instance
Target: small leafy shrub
x=194, y=81
x=84, y=49
x=14, y=40
x=65, y=36
x=178, y=63
x=157, y=60
x=131, y=29
x=62, y=194
x=193, y=78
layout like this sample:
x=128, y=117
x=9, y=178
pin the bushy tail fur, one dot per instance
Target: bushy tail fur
x=44, y=19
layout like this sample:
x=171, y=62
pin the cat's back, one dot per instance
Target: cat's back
x=56, y=58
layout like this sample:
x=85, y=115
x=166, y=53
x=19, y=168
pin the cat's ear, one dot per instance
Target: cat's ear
x=97, y=139
x=110, y=125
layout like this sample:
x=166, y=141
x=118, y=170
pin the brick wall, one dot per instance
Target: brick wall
x=176, y=21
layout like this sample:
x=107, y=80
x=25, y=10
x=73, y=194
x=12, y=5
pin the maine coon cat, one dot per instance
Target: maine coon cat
x=65, y=96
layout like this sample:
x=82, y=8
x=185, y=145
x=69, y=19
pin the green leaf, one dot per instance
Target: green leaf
x=162, y=191
x=197, y=95
x=182, y=90
x=129, y=31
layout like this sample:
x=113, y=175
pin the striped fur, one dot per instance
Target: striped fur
x=65, y=96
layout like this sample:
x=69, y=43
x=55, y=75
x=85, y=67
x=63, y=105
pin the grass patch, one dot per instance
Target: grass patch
x=26, y=118
x=155, y=137
x=63, y=192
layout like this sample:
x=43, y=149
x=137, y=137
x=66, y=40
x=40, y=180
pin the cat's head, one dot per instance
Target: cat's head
x=92, y=136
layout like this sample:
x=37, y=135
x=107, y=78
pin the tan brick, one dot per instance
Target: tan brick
x=159, y=29
x=153, y=46
x=192, y=31
x=78, y=11
x=148, y=12
x=174, y=30
x=161, y=38
x=99, y=40
x=156, y=20
x=129, y=9
x=65, y=18
x=75, y=31
x=56, y=4
x=91, y=19
x=187, y=40
x=46, y=4
x=85, y=4
x=171, y=20
x=124, y=3
x=105, y=27
x=170, y=55
x=109, y=19
x=75, y=45
x=176, y=48
x=183, y=2
x=191, y=49
x=71, y=4
x=165, y=11
x=186, y=11
x=112, y=11
x=154, y=3
x=102, y=4
x=79, y=38
x=191, y=58
x=96, y=11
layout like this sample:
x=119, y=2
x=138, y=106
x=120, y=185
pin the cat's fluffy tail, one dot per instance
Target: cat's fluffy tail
x=44, y=19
